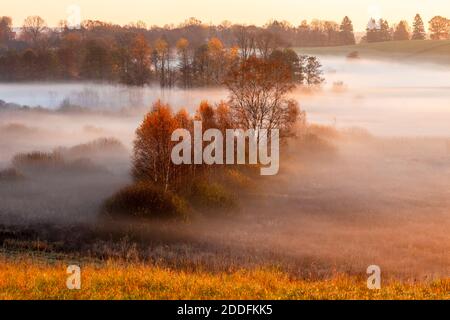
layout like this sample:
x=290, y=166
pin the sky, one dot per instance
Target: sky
x=161, y=12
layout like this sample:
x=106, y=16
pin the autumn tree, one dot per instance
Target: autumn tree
x=153, y=147
x=140, y=62
x=206, y=114
x=69, y=54
x=162, y=61
x=258, y=92
x=98, y=61
x=293, y=61
x=402, y=31
x=418, y=28
x=439, y=28
x=6, y=33
x=346, y=31
x=385, y=33
x=184, y=62
x=217, y=60
x=245, y=40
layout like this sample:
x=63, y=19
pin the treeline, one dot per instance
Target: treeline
x=380, y=30
x=192, y=54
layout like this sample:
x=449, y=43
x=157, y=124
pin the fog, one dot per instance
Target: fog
x=376, y=195
x=388, y=99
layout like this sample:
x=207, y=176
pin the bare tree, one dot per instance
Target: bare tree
x=245, y=41
x=33, y=30
x=266, y=43
x=258, y=95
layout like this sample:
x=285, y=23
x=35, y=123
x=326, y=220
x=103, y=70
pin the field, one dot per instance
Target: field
x=310, y=233
x=26, y=278
x=366, y=182
x=427, y=51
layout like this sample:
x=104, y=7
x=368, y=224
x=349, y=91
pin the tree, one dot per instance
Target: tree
x=295, y=63
x=266, y=42
x=69, y=54
x=33, y=30
x=153, y=147
x=184, y=61
x=258, y=95
x=346, y=31
x=313, y=71
x=140, y=61
x=97, y=63
x=439, y=28
x=418, y=28
x=162, y=59
x=385, y=31
x=216, y=54
x=402, y=31
x=6, y=33
x=373, y=34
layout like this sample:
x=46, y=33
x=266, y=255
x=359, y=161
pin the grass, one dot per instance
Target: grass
x=424, y=51
x=23, y=277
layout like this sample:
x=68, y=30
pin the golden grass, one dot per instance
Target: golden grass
x=26, y=278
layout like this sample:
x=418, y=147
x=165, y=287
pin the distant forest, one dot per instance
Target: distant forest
x=191, y=54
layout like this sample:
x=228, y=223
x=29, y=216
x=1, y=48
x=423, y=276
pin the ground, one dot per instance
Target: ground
x=23, y=277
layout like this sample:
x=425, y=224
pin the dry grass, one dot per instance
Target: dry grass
x=27, y=278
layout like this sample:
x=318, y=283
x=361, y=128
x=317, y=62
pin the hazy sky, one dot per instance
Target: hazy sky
x=258, y=12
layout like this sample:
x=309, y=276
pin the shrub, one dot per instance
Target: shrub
x=38, y=160
x=353, y=55
x=144, y=200
x=98, y=146
x=207, y=195
x=10, y=174
x=42, y=162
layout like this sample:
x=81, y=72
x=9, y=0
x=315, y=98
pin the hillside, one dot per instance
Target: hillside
x=424, y=51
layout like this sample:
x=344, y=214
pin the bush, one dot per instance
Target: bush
x=42, y=162
x=207, y=195
x=145, y=201
x=101, y=146
x=38, y=160
x=353, y=55
x=10, y=175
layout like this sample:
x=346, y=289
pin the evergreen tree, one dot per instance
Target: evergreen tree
x=401, y=31
x=419, y=28
x=346, y=29
x=385, y=31
x=313, y=71
x=372, y=31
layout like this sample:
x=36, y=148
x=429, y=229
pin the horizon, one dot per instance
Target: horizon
x=217, y=11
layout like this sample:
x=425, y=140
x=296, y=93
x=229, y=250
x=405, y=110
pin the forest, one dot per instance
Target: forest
x=189, y=55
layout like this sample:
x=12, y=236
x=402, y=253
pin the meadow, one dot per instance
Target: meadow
x=25, y=277
x=426, y=51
